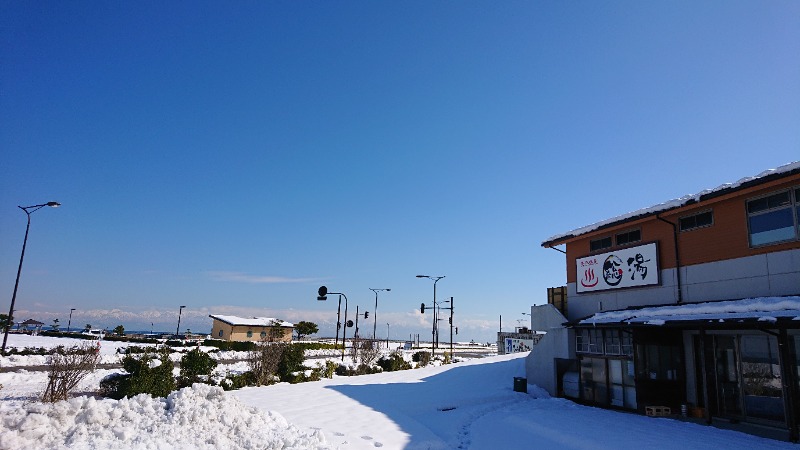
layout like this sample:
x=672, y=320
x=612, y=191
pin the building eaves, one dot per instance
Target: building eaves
x=764, y=311
x=785, y=170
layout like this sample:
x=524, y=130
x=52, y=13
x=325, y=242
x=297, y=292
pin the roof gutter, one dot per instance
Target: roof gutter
x=677, y=257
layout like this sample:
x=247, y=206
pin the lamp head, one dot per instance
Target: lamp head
x=53, y=204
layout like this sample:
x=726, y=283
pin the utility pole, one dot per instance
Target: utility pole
x=452, y=308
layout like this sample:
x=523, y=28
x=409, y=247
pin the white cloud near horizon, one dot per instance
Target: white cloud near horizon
x=199, y=316
x=239, y=277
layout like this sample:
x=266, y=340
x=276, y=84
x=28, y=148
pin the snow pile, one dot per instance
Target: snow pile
x=199, y=417
x=761, y=308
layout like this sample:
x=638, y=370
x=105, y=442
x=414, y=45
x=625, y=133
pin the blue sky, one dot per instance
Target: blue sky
x=234, y=157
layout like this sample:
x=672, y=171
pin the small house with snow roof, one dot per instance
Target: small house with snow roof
x=254, y=329
x=689, y=305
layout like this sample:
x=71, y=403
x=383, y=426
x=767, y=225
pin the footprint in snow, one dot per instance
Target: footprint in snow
x=378, y=444
x=336, y=433
x=366, y=438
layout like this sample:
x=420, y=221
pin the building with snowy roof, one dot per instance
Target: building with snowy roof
x=695, y=301
x=256, y=329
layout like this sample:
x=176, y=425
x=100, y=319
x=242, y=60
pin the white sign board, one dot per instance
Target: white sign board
x=629, y=267
x=518, y=345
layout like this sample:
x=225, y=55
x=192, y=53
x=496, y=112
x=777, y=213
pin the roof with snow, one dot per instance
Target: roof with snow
x=763, y=177
x=760, y=309
x=251, y=321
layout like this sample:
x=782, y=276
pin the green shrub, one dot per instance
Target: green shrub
x=362, y=369
x=111, y=337
x=230, y=345
x=71, y=334
x=422, y=358
x=134, y=349
x=239, y=381
x=393, y=362
x=317, y=346
x=291, y=362
x=141, y=378
x=196, y=367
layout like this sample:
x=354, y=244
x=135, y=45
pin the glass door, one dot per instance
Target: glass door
x=729, y=399
x=761, y=378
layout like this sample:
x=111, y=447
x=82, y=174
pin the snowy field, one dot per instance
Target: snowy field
x=469, y=405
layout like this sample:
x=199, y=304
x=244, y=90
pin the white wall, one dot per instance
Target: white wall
x=767, y=275
x=540, y=366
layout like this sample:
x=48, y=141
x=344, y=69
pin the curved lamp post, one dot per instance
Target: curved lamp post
x=28, y=210
x=375, y=313
x=323, y=295
x=435, y=318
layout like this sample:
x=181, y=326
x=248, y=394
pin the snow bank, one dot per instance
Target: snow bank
x=199, y=417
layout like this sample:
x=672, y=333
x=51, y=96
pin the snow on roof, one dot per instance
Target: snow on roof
x=674, y=203
x=760, y=308
x=251, y=321
x=32, y=322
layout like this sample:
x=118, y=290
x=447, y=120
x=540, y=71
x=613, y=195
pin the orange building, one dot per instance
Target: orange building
x=695, y=301
x=256, y=329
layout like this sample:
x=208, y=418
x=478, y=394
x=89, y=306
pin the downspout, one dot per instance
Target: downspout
x=677, y=257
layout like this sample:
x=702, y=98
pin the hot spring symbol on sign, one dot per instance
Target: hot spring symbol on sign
x=629, y=267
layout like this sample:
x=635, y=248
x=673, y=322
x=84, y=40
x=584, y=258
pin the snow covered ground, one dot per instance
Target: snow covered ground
x=469, y=405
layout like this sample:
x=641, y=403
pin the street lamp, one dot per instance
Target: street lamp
x=178, y=330
x=28, y=211
x=70, y=319
x=375, y=321
x=323, y=295
x=387, y=335
x=435, y=327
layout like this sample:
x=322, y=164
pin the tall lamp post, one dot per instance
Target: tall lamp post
x=28, y=211
x=178, y=330
x=70, y=319
x=323, y=295
x=375, y=316
x=435, y=318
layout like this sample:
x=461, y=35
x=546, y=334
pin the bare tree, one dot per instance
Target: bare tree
x=67, y=367
x=263, y=361
x=364, y=352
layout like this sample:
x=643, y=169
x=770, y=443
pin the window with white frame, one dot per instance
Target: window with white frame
x=589, y=341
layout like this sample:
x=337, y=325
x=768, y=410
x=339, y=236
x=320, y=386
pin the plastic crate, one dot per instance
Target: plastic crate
x=658, y=411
